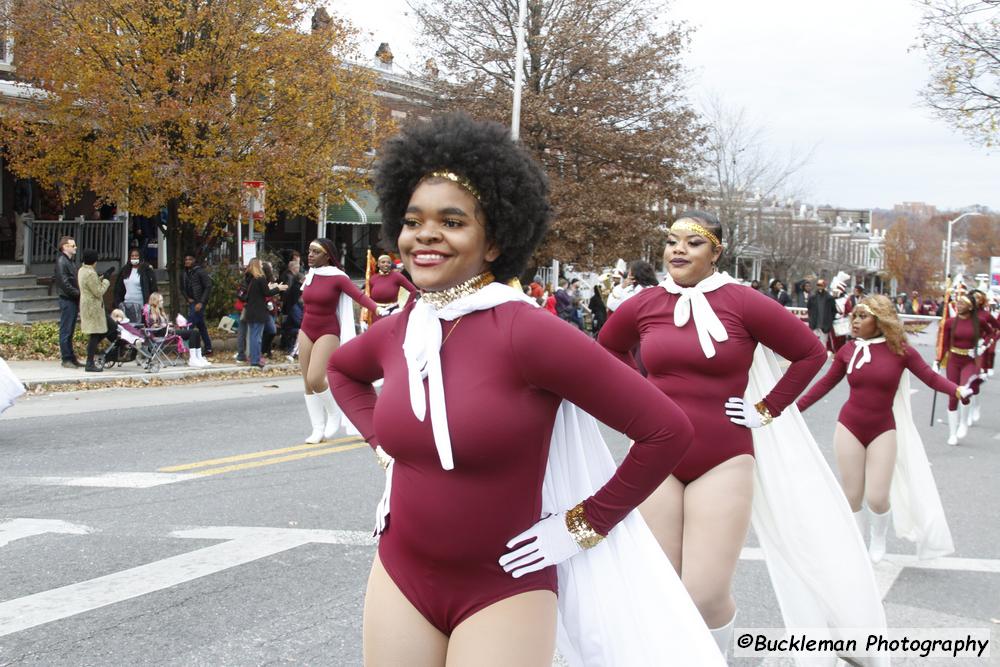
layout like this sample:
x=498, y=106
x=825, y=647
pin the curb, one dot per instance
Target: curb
x=168, y=376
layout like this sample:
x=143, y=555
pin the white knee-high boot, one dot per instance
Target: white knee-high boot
x=317, y=417
x=334, y=416
x=974, y=413
x=963, y=421
x=724, y=636
x=879, y=527
x=952, y=427
x=859, y=518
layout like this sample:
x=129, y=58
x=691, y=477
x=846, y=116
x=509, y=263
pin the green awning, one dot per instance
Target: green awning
x=356, y=210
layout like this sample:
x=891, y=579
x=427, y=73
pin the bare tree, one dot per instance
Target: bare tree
x=962, y=41
x=744, y=176
x=604, y=108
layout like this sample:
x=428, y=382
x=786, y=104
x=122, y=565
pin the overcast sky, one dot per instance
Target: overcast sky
x=839, y=77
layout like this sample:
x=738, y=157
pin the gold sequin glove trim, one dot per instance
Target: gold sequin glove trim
x=581, y=530
x=383, y=459
x=765, y=414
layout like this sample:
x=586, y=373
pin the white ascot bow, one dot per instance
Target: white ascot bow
x=422, y=350
x=692, y=304
x=862, y=355
x=321, y=271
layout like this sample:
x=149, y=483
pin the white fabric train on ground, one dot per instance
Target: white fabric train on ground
x=621, y=602
x=816, y=557
x=916, y=506
x=10, y=386
x=345, y=315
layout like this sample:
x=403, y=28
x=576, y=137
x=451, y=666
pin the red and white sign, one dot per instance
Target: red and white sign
x=254, y=193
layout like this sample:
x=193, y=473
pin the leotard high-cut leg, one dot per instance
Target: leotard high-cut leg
x=319, y=304
x=506, y=370
x=867, y=413
x=676, y=365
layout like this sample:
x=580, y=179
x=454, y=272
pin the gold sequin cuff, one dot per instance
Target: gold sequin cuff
x=383, y=459
x=765, y=414
x=581, y=530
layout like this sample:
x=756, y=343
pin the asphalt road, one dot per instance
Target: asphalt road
x=191, y=526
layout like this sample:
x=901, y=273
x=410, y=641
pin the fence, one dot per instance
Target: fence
x=108, y=237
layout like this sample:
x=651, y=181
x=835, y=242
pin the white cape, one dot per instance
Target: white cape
x=815, y=555
x=10, y=386
x=621, y=603
x=917, y=513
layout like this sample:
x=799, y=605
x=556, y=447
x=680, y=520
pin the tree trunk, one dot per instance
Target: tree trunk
x=175, y=254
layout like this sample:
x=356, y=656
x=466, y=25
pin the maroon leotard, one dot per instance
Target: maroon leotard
x=960, y=333
x=677, y=366
x=868, y=411
x=505, y=371
x=319, y=303
x=385, y=289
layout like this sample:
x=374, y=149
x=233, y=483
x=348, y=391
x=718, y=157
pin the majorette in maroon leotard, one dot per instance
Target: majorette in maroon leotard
x=868, y=411
x=960, y=333
x=505, y=372
x=385, y=289
x=677, y=366
x=319, y=303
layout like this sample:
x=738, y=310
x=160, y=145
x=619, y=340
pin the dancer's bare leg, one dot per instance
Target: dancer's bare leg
x=520, y=630
x=716, y=521
x=851, y=464
x=305, y=353
x=663, y=512
x=879, y=464
x=318, y=358
x=395, y=634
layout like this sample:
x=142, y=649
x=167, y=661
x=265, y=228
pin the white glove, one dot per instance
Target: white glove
x=743, y=413
x=980, y=348
x=551, y=544
x=382, y=509
x=937, y=367
x=383, y=311
x=964, y=392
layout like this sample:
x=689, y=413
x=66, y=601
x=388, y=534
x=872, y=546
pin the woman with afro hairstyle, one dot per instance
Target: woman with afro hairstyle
x=472, y=414
x=867, y=429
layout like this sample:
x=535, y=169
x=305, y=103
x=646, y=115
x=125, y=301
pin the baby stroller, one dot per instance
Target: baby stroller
x=149, y=348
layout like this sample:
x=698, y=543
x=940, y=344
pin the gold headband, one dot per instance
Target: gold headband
x=965, y=298
x=457, y=179
x=689, y=225
x=864, y=307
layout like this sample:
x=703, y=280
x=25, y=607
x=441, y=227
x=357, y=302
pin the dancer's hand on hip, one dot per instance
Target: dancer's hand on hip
x=549, y=543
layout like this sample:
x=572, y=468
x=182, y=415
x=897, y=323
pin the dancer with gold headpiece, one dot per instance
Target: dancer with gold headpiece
x=327, y=321
x=484, y=445
x=867, y=431
x=703, y=338
x=958, y=348
x=385, y=288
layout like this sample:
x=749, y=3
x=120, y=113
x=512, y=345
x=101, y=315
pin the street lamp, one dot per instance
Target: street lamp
x=515, y=116
x=947, y=252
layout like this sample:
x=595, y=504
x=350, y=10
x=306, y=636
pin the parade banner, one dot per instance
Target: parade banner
x=254, y=193
x=995, y=274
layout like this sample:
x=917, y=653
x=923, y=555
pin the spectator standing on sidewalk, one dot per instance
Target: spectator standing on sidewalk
x=196, y=285
x=255, y=313
x=291, y=304
x=68, y=291
x=93, y=319
x=134, y=285
x=822, y=309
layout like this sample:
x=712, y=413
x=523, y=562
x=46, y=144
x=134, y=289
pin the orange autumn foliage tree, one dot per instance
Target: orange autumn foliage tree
x=913, y=255
x=173, y=103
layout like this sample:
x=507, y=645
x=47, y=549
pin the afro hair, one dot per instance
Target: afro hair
x=513, y=189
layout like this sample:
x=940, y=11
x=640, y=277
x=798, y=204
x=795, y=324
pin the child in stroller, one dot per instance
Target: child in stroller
x=160, y=342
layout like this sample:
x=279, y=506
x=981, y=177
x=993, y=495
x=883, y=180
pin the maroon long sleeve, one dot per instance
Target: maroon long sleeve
x=506, y=370
x=385, y=288
x=676, y=365
x=320, y=300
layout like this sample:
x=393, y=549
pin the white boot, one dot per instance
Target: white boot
x=193, y=358
x=879, y=527
x=859, y=518
x=317, y=416
x=202, y=360
x=333, y=414
x=953, y=427
x=989, y=373
x=724, y=636
x=975, y=410
x=963, y=421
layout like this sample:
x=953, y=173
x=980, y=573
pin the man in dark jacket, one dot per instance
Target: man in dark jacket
x=68, y=291
x=196, y=285
x=822, y=309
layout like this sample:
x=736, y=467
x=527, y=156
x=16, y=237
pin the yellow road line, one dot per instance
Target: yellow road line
x=253, y=455
x=279, y=459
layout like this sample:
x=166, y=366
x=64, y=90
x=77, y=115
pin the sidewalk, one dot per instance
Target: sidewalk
x=38, y=375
